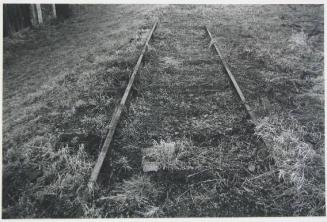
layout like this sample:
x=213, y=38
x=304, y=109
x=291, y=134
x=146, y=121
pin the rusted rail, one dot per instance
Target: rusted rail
x=231, y=77
x=234, y=84
x=117, y=113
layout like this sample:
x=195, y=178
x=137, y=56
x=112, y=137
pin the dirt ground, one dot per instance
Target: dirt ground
x=62, y=82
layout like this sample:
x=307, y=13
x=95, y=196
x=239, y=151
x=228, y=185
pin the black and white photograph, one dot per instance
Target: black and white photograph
x=170, y=110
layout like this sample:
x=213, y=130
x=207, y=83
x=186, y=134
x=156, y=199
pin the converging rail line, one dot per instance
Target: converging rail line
x=232, y=79
x=118, y=110
x=117, y=113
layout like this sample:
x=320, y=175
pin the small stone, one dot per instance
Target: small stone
x=150, y=166
x=251, y=167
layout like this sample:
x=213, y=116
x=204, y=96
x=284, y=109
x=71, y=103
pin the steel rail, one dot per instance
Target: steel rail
x=231, y=77
x=235, y=85
x=117, y=114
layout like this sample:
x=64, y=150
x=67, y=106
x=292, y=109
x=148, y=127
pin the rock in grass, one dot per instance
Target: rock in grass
x=172, y=160
x=159, y=156
x=149, y=166
x=251, y=167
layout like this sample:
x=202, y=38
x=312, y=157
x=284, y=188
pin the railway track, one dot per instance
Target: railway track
x=117, y=114
x=184, y=93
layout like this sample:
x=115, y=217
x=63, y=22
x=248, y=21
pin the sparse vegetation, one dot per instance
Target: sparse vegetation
x=62, y=81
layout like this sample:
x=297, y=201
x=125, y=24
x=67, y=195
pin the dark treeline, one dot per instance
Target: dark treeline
x=20, y=16
x=15, y=17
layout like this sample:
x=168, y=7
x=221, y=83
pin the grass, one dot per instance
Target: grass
x=299, y=165
x=58, y=101
x=49, y=184
x=284, y=55
x=74, y=96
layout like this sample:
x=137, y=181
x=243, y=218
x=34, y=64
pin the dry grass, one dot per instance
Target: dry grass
x=221, y=171
x=299, y=166
x=276, y=52
x=71, y=92
x=219, y=168
x=52, y=177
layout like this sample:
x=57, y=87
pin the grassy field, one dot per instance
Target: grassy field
x=62, y=82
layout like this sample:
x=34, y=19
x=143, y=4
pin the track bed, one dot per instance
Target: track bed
x=186, y=113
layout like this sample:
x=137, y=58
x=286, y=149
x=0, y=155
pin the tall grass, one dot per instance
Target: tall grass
x=300, y=167
x=50, y=179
